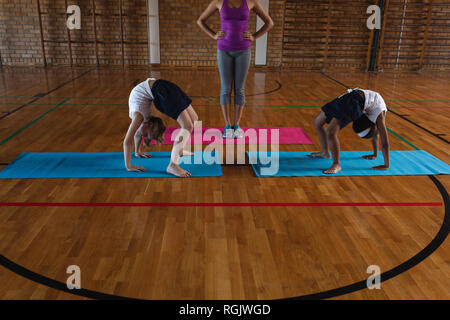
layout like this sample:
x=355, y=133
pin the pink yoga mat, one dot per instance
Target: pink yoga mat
x=256, y=135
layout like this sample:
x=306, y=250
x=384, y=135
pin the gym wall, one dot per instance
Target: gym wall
x=308, y=34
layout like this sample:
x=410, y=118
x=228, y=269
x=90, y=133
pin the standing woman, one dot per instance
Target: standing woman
x=234, y=52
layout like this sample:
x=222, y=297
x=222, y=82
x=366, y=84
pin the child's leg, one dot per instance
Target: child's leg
x=319, y=123
x=180, y=142
x=194, y=118
x=192, y=114
x=333, y=131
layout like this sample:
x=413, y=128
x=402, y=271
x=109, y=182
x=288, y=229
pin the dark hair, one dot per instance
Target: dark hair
x=361, y=124
x=157, y=129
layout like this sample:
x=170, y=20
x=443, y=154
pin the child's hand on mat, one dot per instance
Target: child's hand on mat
x=369, y=157
x=143, y=155
x=381, y=167
x=136, y=169
x=219, y=35
x=248, y=36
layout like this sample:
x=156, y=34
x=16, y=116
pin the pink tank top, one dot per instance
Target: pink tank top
x=234, y=21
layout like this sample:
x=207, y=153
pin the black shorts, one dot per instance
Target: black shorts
x=169, y=98
x=347, y=108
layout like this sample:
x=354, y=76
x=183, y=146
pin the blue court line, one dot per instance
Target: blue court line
x=33, y=122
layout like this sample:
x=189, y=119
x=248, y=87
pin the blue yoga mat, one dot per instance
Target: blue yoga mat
x=102, y=165
x=299, y=164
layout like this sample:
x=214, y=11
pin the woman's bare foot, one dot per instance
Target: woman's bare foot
x=320, y=154
x=177, y=171
x=186, y=153
x=335, y=168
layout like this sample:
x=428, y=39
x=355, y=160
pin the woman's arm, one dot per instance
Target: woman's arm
x=128, y=142
x=209, y=11
x=268, y=22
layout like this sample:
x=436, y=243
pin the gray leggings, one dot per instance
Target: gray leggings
x=233, y=67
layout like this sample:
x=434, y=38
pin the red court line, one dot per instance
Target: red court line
x=223, y=204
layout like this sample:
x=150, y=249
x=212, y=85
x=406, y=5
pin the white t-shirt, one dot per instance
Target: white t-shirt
x=374, y=104
x=140, y=100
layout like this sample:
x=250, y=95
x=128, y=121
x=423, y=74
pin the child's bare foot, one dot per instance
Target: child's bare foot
x=320, y=154
x=186, y=153
x=335, y=168
x=177, y=171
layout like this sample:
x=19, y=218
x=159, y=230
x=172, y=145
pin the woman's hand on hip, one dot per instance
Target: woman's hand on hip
x=219, y=35
x=247, y=35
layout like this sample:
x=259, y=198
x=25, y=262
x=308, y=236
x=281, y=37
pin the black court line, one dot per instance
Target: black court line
x=4, y=164
x=42, y=95
x=279, y=86
x=14, y=267
x=405, y=266
x=334, y=80
x=404, y=117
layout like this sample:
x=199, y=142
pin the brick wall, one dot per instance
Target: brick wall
x=404, y=35
x=324, y=34
x=275, y=38
x=182, y=42
x=19, y=33
x=437, y=50
x=349, y=37
x=301, y=38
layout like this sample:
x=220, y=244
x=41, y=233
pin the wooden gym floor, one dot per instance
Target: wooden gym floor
x=220, y=252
